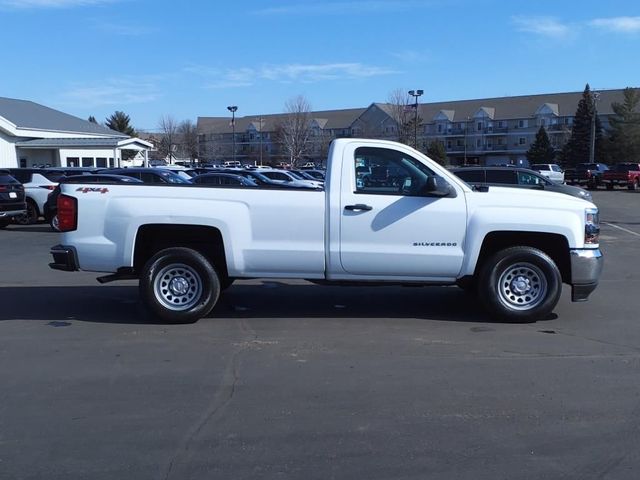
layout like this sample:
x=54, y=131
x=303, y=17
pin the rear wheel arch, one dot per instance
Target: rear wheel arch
x=208, y=241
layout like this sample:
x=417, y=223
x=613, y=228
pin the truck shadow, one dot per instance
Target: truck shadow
x=120, y=304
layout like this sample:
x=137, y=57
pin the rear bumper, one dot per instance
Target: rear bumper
x=12, y=213
x=64, y=258
x=586, y=267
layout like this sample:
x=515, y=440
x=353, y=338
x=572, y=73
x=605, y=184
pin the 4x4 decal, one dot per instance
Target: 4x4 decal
x=92, y=189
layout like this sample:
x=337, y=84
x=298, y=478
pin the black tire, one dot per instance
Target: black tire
x=609, y=186
x=179, y=285
x=53, y=222
x=4, y=222
x=634, y=185
x=30, y=217
x=520, y=284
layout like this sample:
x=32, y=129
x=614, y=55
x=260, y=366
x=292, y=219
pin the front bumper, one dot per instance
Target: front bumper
x=586, y=267
x=64, y=258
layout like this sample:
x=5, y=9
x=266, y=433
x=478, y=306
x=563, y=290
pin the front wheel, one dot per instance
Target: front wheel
x=4, y=222
x=179, y=285
x=520, y=284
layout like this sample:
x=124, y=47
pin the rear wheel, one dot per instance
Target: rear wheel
x=520, y=284
x=179, y=285
x=4, y=222
x=30, y=217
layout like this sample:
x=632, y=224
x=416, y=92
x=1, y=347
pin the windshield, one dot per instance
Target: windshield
x=626, y=167
x=171, y=177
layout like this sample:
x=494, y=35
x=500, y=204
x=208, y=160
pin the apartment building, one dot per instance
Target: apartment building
x=482, y=131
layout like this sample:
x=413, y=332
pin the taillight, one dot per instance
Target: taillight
x=67, y=213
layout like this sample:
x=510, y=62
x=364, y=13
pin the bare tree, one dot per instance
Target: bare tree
x=295, y=129
x=169, y=130
x=188, y=134
x=402, y=113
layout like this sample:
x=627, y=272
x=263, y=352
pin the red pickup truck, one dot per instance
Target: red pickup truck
x=623, y=174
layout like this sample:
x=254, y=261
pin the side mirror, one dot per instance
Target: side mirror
x=437, y=187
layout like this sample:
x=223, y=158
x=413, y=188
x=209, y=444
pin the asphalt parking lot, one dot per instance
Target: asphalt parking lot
x=292, y=380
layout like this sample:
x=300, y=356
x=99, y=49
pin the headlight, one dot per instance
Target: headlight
x=591, y=226
x=585, y=195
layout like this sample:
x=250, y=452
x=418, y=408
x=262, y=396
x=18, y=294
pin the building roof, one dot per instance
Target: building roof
x=105, y=142
x=525, y=106
x=332, y=119
x=29, y=115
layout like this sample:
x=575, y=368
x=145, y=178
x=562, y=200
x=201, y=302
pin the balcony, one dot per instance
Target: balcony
x=495, y=148
x=496, y=130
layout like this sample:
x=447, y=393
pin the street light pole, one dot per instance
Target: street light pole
x=233, y=109
x=260, y=140
x=592, y=150
x=466, y=125
x=416, y=94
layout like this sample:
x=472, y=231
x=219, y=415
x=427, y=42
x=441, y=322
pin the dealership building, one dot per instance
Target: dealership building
x=32, y=135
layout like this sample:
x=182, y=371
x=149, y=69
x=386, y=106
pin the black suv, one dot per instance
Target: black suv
x=12, y=201
x=516, y=177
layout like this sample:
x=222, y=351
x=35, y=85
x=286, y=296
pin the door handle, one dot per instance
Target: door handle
x=358, y=206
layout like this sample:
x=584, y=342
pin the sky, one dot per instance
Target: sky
x=162, y=58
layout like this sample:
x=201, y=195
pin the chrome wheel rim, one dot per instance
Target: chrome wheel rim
x=178, y=287
x=522, y=286
x=55, y=224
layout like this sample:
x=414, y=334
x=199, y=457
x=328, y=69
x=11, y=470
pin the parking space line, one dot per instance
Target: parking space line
x=623, y=229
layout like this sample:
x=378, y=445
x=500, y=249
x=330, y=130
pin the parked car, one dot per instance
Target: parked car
x=157, y=175
x=316, y=174
x=516, y=177
x=261, y=180
x=587, y=174
x=50, y=210
x=550, y=170
x=12, y=198
x=289, y=178
x=305, y=175
x=186, y=173
x=223, y=179
x=38, y=184
x=623, y=174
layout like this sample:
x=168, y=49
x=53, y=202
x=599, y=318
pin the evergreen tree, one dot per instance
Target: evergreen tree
x=541, y=150
x=120, y=122
x=578, y=147
x=437, y=153
x=92, y=119
x=624, y=135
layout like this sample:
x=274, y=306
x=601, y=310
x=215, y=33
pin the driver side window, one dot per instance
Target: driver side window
x=385, y=171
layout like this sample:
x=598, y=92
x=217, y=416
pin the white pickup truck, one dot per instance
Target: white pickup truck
x=417, y=224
